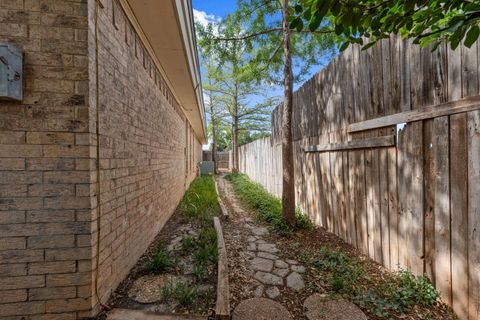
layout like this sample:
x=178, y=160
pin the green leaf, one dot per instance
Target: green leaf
x=344, y=46
x=314, y=22
x=472, y=35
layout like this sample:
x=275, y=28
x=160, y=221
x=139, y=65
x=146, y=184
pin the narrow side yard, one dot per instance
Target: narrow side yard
x=178, y=273
x=311, y=273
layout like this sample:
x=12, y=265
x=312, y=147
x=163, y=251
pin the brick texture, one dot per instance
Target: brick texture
x=49, y=204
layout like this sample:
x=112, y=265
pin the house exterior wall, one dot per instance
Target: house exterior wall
x=48, y=149
x=149, y=152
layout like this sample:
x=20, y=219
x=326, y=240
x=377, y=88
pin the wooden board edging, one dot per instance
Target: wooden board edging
x=375, y=142
x=222, y=205
x=222, y=308
x=434, y=111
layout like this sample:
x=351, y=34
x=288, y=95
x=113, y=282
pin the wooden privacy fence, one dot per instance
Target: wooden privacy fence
x=387, y=156
x=223, y=160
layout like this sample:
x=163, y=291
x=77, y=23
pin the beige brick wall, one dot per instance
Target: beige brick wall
x=48, y=185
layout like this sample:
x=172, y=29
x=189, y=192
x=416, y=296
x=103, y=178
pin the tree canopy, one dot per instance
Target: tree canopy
x=426, y=21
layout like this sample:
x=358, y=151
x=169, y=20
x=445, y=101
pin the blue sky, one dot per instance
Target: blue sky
x=219, y=8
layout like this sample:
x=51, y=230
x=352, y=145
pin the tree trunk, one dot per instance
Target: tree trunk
x=214, y=137
x=235, y=144
x=235, y=134
x=288, y=192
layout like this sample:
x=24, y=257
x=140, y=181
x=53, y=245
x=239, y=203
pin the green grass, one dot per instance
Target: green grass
x=267, y=207
x=395, y=293
x=200, y=201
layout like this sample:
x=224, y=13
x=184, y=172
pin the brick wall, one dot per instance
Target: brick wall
x=149, y=151
x=48, y=185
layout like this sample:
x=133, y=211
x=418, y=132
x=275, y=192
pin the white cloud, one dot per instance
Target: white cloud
x=204, y=18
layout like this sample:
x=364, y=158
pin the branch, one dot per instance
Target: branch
x=326, y=31
x=248, y=36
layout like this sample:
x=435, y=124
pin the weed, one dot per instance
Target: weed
x=188, y=243
x=181, y=291
x=200, y=200
x=207, y=236
x=199, y=272
x=344, y=270
x=268, y=208
x=207, y=254
x=161, y=261
x=185, y=294
x=396, y=293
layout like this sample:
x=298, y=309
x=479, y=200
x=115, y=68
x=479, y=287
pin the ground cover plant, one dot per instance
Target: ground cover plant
x=198, y=207
x=266, y=206
x=394, y=294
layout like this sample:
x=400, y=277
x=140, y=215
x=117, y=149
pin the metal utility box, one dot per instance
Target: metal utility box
x=11, y=72
x=206, y=167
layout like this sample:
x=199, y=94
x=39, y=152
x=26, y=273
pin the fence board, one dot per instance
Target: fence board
x=413, y=204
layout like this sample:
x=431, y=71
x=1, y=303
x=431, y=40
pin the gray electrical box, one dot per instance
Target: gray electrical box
x=11, y=72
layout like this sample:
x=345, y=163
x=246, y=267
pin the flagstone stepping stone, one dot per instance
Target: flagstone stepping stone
x=289, y=261
x=259, y=231
x=258, y=291
x=281, y=264
x=298, y=268
x=252, y=247
x=262, y=264
x=148, y=289
x=268, y=278
x=295, y=281
x=280, y=272
x=267, y=255
x=267, y=247
x=260, y=309
x=272, y=292
x=320, y=307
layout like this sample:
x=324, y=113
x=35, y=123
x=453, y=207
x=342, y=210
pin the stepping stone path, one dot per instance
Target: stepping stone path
x=268, y=268
x=320, y=307
x=267, y=274
x=260, y=309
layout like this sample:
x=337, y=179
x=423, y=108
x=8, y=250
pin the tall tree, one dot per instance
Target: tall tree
x=212, y=76
x=214, y=109
x=238, y=91
x=426, y=21
x=279, y=55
